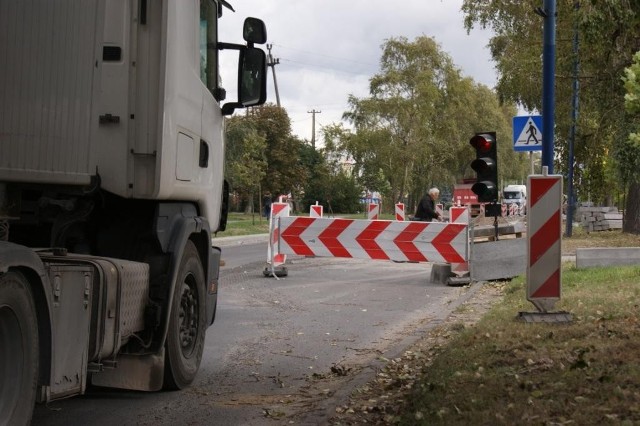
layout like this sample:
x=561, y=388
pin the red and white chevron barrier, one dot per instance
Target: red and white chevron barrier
x=278, y=210
x=544, y=237
x=400, y=212
x=374, y=211
x=315, y=210
x=459, y=214
x=381, y=239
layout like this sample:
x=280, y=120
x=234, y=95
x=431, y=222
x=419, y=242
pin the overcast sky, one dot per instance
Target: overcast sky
x=329, y=49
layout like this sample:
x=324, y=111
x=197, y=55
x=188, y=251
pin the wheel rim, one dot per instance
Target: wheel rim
x=188, y=315
x=11, y=357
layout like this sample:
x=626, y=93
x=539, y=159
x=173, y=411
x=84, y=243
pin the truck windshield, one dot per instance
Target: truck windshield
x=511, y=195
x=208, y=43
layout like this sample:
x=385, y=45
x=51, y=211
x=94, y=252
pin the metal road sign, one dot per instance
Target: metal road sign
x=527, y=133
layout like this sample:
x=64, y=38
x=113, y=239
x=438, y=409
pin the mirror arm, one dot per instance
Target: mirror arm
x=222, y=46
x=229, y=107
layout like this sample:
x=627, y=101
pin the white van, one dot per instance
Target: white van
x=515, y=194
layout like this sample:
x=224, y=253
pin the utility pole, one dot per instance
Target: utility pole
x=271, y=62
x=313, y=113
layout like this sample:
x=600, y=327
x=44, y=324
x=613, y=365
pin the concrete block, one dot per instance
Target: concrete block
x=495, y=260
x=607, y=256
x=440, y=273
x=615, y=224
x=503, y=229
x=612, y=224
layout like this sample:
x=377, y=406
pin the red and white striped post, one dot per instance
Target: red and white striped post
x=440, y=209
x=544, y=238
x=275, y=259
x=504, y=210
x=400, y=212
x=374, y=211
x=315, y=210
x=460, y=215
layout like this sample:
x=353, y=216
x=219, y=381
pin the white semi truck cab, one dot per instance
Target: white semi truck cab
x=111, y=184
x=515, y=194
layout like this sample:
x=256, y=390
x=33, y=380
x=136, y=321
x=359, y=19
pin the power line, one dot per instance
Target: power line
x=306, y=64
x=328, y=56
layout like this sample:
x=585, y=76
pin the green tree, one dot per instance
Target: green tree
x=285, y=174
x=317, y=187
x=609, y=33
x=628, y=151
x=413, y=130
x=331, y=180
x=246, y=163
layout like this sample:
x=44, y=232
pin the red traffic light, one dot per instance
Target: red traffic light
x=486, y=166
x=482, y=143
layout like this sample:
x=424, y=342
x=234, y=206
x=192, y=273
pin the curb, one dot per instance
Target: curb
x=239, y=240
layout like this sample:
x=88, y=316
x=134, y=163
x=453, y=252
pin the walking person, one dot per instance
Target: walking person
x=266, y=205
x=426, y=210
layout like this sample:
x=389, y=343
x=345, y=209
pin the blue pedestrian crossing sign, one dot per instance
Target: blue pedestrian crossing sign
x=527, y=133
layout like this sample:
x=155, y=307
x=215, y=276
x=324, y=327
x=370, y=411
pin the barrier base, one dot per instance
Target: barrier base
x=547, y=317
x=440, y=273
x=278, y=271
x=458, y=281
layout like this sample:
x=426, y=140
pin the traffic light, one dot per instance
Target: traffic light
x=486, y=167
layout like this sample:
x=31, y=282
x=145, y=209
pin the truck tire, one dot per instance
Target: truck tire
x=187, y=324
x=18, y=350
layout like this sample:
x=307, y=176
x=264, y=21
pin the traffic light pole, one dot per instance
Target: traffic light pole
x=548, y=81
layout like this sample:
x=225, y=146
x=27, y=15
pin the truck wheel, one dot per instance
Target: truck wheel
x=18, y=350
x=187, y=324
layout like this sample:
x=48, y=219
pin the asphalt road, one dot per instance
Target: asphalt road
x=283, y=351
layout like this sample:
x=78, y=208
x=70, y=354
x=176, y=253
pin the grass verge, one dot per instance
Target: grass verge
x=239, y=224
x=503, y=371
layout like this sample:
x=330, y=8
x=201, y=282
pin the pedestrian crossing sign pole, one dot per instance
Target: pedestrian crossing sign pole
x=527, y=133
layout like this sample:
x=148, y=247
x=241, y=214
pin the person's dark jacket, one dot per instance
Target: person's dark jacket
x=426, y=210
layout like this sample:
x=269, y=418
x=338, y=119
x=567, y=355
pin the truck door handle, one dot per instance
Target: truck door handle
x=109, y=119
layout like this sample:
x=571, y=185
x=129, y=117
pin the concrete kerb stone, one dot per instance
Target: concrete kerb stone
x=607, y=256
x=239, y=240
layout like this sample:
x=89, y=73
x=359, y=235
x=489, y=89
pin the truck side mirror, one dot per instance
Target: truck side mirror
x=252, y=67
x=254, y=31
x=252, y=80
